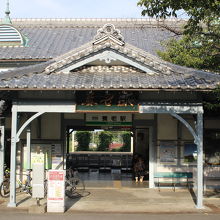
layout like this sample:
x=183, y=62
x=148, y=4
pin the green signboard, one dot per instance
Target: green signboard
x=108, y=123
x=105, y=108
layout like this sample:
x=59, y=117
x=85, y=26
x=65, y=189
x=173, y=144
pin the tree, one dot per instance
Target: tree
x=126, y=136
x=201, y=41
x=189, y=51
x=198, y=11
x=212, y=104
x=105, y=139
x=83, y=138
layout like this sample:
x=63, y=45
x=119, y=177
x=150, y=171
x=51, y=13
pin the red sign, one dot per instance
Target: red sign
x=56, y=191
x=56, y=176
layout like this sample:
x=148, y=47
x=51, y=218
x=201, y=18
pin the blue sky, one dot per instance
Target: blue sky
x=72, y=8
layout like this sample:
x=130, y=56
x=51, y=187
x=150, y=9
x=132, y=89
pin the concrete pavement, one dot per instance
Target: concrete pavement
x=127, y=200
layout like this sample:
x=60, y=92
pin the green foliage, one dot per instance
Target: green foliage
x=127, y=142
x=105, y=139
x=213, y=104
x=197, y=10
x=200, y=46
x=190, y=51
x=83, y=138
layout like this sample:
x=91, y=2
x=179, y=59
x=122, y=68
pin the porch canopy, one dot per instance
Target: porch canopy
x=108, y=63
x=175, y=110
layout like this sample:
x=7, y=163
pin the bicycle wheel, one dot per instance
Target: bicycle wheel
x=5, y=188
x=74, y=188
x=28, y=189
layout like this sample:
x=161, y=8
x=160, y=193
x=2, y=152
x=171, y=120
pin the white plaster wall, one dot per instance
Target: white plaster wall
x=50, y=126
x=167, y=127
x=186, y=135
x=34, y=127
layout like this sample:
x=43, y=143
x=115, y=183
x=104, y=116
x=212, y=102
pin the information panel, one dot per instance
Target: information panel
x=168, y=152
x=56, y=191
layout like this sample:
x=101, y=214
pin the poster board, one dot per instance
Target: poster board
x=168, y=152
x=39, y=153
x=57, y=157
x=189, y=153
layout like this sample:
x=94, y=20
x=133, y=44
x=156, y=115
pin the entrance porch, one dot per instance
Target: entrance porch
x=174, y=110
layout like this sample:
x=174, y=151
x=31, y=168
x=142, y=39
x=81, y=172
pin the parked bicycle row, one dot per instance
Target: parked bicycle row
x=74, y=185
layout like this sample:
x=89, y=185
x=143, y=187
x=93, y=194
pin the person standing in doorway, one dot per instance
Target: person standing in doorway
x=139, y=169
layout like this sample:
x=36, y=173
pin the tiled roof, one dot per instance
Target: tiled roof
x=116, y=77
x=136, y=69
x=51, y=38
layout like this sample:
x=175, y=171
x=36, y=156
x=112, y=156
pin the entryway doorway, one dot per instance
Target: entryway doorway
x=112, y=166
x=141, y=147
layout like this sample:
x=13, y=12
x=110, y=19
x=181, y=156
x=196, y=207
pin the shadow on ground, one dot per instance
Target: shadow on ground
x=71, y=201
x=212, y=193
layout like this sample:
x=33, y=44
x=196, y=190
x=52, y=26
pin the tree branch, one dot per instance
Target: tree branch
x=171, y=29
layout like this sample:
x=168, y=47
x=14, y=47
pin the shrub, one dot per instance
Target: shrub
x=83, y=138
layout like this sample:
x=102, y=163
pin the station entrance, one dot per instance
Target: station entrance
x=104, y=156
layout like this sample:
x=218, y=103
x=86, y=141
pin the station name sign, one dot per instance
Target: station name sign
x=109, y=119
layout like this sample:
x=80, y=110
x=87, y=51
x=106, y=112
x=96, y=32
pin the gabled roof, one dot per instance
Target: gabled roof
x=108, y=62
x=108, y=48
x=49, y=38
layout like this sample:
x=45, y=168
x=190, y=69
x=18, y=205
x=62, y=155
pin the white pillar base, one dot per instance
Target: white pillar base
x=12, y=205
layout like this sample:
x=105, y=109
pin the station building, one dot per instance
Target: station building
x=60, y=75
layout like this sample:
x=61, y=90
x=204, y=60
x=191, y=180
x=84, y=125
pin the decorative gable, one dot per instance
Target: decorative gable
x=109, y=32
x=108, y=48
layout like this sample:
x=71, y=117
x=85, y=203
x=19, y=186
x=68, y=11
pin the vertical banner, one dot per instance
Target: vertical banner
x=56, y=191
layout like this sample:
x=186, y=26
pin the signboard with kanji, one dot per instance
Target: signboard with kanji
x=56, y=191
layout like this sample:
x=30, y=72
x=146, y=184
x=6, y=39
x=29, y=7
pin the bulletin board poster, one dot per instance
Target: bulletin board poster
x=168, y=152
x=190, y=153
x=56, y=191
x=37, y=158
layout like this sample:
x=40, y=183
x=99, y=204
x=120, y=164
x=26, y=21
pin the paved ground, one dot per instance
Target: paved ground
x=107, y=216
x=117, y=193
x=128, y=200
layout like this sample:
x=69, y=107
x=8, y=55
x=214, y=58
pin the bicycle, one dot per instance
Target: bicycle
x=74, y=186
x=22, y=186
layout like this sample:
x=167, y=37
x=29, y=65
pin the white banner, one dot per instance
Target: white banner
x=56, y=191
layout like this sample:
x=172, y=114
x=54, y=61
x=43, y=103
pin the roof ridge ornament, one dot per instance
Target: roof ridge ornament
x=7, y=19
x=108, y=31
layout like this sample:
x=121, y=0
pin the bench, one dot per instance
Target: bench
x=173, y=178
